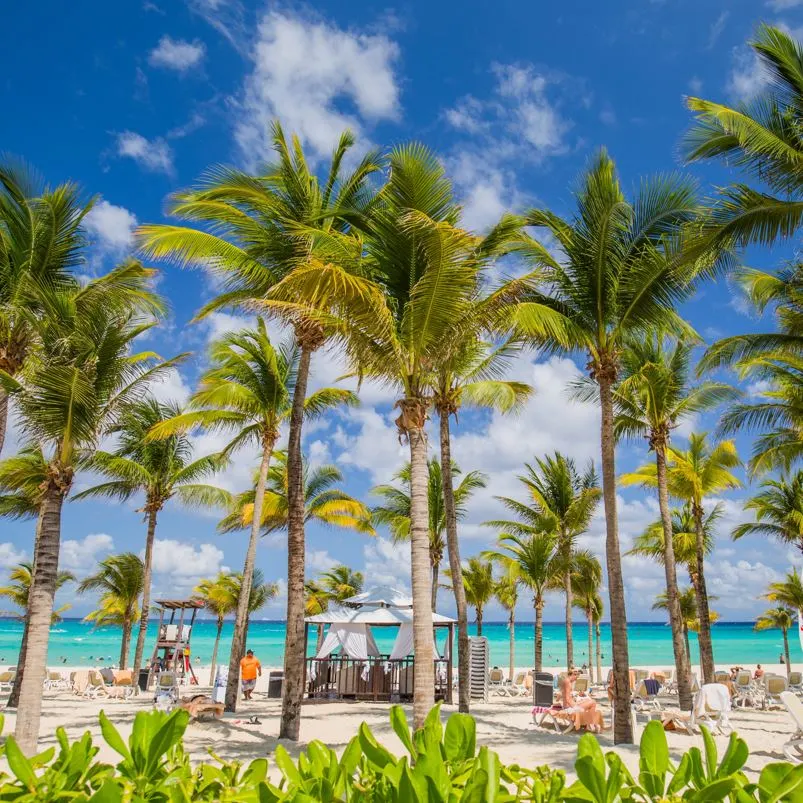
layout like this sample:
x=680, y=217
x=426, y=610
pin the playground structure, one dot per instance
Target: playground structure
x=173, y=639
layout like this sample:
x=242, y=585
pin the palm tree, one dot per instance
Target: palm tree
x=760, y=136
x=247, y=392
x=652, y=398
x=260, y=594
x=538, y=559
x=40, y=244
x=469, y=373
x=479, y=585
x=782, y=619
x=688, y=619
x=323, y=502
x=395, y=512
x=586, y=583
x=701, y=470
x=788, y=592
x=506, y=591
x=778, y=508
x=625, y=265
x=219, y=600
x=85, y=373
x=18, y=590
x=264, y=228
x=561, y=500
x=599, y=608
x=158, y=469
x=317, y=599
x=121, y=579
x=341, y=582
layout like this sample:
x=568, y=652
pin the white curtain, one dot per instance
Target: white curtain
x=403, y=645
x=355, y=640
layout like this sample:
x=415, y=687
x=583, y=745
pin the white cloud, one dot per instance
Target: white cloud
x=310, y=74
x=186, y=563
x=319, y=560
x=80, y=557
x=716, y=29
x=154, y=155
x=176, y=54
x=695, y=85
x=747, y=77
x=386, y=563
x=783, y=5
x=170, y=387
x=112, y=225
x=10, y=555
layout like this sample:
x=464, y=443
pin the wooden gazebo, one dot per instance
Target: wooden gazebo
x=173, y=638
x=348, y=664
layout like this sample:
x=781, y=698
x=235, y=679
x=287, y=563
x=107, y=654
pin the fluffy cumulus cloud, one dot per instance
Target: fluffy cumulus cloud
x=81, y=556
x=319, y=560
x=179, y=565
x=317, y=79
x=112, y=226
x=784, y=5
x=176, y=54
x=11, y=555
x=153, y=155
x=386, y=563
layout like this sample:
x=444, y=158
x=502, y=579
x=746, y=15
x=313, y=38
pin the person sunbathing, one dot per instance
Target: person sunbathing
x=584, y=709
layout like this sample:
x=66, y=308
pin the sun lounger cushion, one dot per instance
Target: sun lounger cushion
x=652, y=686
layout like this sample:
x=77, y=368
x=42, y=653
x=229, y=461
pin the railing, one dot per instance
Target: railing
x=377, y=678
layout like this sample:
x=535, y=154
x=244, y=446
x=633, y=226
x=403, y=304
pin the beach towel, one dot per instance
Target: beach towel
x=713, y=698
x=652, y=686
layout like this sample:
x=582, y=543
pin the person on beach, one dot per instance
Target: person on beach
x=759, y=673
x=584, y=709
x=250, y=670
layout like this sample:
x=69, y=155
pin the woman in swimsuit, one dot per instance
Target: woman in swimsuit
x=584, y=709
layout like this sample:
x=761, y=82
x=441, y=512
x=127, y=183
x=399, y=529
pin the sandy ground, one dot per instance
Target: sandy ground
x=504, y=724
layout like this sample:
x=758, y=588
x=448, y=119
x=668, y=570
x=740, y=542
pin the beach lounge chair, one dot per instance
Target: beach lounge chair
x=561, y=719
x=646, y=695
x=7, y=680
x=79, y=681
x=522, y=685
x=745, y=689
x=201, y=706
x=793, y=749
x=796, y=682
x=496, y=681
x=638, y=676
x=96, y=686
x=582, y=684
x=712, y=706
x=55, y=680
x=721, y=676
x=774, y=687
x=166, y=683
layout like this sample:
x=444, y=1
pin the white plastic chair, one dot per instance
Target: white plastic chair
x=745, y=689
x=519, y=688
x=704, y=711
x=796, y=682
x=643, y=700
x=774, y=687
x=793, y=749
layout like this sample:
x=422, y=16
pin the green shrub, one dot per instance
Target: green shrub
x=441, y=765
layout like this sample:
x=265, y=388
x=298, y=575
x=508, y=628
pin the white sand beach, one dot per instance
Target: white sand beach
x=504, y=724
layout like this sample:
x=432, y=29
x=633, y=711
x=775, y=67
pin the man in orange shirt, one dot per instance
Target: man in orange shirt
x=250, y=670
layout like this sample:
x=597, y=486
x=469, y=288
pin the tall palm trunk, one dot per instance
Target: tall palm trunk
x=40, y=612
x=241, y=616
x=214, y=651
x=294, y=657
x=435, y=573
x=786, y=652
x=687, y=644
x=424, y=672
x=567, y=590
x=479, y=620
x=14, y=696
x=511, y=623
x=128, y=625
x=147, y=579
x=538, y=634
x=682, y=665
x=590, y=616
x=622, y=723
x=703, y=613
x=598, y=639
x=3, y=417
x=455, y=567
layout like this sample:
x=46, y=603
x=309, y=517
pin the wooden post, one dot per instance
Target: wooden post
x=179, y=640
x=449, y=648
x=304, y=675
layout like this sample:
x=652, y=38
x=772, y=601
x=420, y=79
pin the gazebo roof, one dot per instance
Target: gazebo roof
x=178, y=604
x=380, y=597
x=373, y=616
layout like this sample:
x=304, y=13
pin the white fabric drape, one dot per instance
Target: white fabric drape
x=355, y=640
x=403, y=645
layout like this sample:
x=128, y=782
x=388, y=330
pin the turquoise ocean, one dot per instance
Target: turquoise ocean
x=76, y=643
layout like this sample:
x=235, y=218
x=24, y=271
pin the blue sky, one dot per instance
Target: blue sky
x=135, y=99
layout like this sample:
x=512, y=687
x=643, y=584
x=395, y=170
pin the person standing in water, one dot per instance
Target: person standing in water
x=250, y=670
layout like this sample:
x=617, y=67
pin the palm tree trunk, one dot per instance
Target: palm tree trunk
x=455, y=567
x=40, y=611
x=682, y=666
x=688, y=645
x=319, y=642
x=786, y=652
x=14, y=696
x=622, y=721
x=294, y=658
x=146, y=592
x=424, y=672
x=511, y=623
x=591, y=647
x=126, y=643
x=567, y=590
x=598, y=637
x=214, y=651
x=241, y=616
x=479, y=620
x=3, y=418
x=435, y=572
x=539, y=635
x=703, y=614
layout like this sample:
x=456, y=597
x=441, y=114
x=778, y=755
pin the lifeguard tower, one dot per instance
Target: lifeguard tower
x=173, y=639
